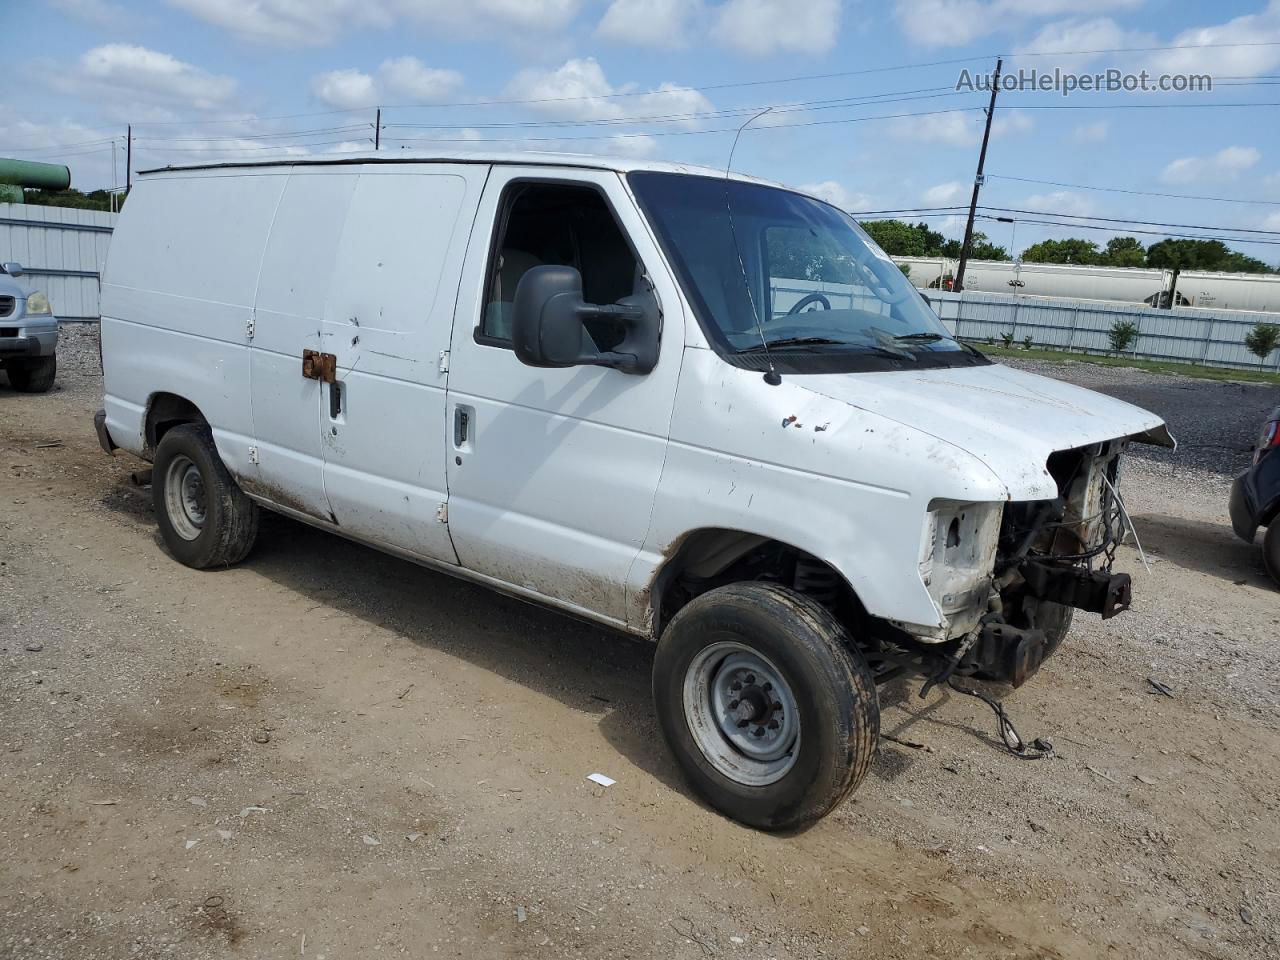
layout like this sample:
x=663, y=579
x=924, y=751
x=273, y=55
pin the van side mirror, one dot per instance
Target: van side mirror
x=12, y=269
x=548, y=324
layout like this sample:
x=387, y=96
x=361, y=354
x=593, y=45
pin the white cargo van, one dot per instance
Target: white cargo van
x=701, y=409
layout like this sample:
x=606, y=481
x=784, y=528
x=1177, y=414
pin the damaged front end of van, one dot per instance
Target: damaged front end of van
x=1007, y=577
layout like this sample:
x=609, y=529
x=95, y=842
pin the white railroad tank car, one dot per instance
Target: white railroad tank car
x=1229, y=291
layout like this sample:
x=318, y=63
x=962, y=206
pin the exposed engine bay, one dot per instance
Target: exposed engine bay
x=1008, y=576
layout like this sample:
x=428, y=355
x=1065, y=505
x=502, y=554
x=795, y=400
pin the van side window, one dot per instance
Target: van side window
x=558, y=224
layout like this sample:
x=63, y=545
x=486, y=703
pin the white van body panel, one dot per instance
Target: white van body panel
x=573, y=486
x=557, y=479
x=176, y=310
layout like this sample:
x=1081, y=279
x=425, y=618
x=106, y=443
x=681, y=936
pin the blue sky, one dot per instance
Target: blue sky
x=221, y=79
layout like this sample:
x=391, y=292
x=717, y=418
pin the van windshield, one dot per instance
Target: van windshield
x=827, y=298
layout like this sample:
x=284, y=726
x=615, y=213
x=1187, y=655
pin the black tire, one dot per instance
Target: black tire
x=1271, y=549
x=229, y=520
x=828, y=680
x=1055, y=620
x=33, y=374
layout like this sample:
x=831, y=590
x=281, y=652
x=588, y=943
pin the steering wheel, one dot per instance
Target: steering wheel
x=811, y=298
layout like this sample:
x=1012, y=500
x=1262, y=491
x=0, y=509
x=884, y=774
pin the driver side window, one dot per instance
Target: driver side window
x=561, y=224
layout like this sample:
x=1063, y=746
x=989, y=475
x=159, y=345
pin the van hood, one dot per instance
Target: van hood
x=1008, y=419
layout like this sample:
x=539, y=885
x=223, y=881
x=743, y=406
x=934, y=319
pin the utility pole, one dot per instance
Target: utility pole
x=958, y=284
x=377, y=130
x=128, y=162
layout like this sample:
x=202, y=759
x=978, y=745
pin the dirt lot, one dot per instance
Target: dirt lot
x=327, y=752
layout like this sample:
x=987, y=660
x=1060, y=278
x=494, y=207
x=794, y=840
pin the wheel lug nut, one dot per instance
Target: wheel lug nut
x=768, y=686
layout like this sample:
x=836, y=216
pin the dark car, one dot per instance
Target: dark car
x=1255, y=496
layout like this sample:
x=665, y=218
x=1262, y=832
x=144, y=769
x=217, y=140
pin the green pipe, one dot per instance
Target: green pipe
x=28, y=173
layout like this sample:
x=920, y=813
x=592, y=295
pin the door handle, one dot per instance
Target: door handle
x=335, y=400
x=461, y=426
x=319, y=366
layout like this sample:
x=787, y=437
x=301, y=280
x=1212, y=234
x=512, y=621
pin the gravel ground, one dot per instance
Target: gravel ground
x=328, y=752
x=1215, y=422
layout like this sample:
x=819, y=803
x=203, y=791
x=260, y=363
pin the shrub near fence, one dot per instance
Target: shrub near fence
x=1183, y=334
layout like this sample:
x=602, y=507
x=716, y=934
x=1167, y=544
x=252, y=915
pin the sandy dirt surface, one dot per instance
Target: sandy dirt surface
x=328, y=752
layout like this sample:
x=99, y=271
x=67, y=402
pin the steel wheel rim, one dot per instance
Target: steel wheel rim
x=184, y=497
x=729, y=682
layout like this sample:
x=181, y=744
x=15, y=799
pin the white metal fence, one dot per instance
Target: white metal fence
x=62, y=250
x=1184, y=334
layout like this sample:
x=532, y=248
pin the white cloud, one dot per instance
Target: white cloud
x=944, y=194
x=412, y=79
x=1255, y=28
x=300, y=23
x=650, y=23
x=345, y=89
x=761, y=27
x=1272, y=222
x=1101, y=33
x=1061, y=202
x=1095, y=132
x=837, y=195
x=959, y=129
x=135, y=84
x=955, y=23
x=579, y=90
x=1226, y=164
x=405, y=78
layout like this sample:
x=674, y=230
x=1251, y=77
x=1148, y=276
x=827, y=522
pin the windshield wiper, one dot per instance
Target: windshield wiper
x=922, y=337
x=794, y=342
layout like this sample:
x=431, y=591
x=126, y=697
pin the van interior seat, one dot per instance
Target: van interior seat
x=513, y=264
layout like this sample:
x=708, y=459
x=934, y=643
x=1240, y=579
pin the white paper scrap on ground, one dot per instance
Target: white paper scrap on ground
x=601, y=779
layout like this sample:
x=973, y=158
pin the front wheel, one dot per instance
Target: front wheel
x=33, y=375
x=205, y=518
x=770, y=711
x=1271, y=549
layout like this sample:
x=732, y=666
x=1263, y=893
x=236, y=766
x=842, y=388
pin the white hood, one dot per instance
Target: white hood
x=1008, y=419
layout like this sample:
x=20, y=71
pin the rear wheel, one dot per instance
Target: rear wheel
x=32, y=374
x=204, y=516
x=768, y=708
x=1271, y=549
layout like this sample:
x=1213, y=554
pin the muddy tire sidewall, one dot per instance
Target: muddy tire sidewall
x=230, y=524
x=835, y=692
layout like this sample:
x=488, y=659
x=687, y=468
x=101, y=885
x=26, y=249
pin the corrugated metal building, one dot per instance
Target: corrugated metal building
x=63, y=251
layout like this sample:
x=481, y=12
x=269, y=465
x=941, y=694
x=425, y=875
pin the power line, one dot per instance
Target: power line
x=728, y=113
x=1156, y=233
x=1149, y=223
x=256, y=136
x=1141, y=193
x=950, y=211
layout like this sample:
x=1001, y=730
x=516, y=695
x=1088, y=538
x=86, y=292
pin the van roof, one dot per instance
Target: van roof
x=583, y=161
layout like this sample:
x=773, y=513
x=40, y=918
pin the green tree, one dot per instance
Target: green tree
x=1122, y=334
x=1070, y=250
x=900, y=239
x=1124, y=252
x=1261, y=340
x=980, y=248
x=1202, y=255
x=93, y=200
